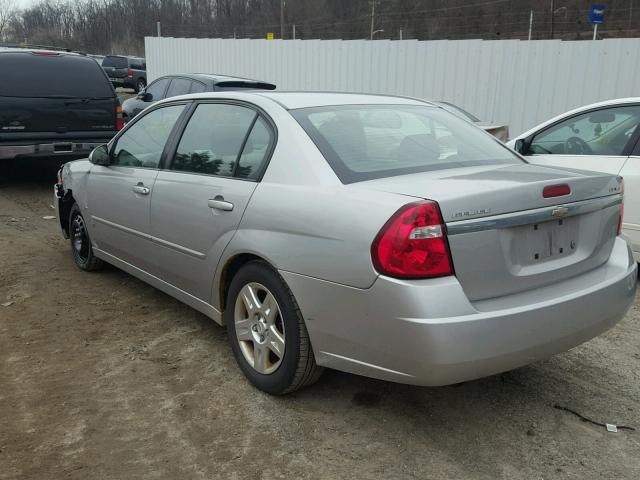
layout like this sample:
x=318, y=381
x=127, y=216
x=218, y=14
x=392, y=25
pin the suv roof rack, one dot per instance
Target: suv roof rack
x=31, y=46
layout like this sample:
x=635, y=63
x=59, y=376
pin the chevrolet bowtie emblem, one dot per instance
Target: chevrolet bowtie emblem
x=559, y=212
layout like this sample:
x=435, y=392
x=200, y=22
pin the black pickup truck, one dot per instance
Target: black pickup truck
x=54, y=104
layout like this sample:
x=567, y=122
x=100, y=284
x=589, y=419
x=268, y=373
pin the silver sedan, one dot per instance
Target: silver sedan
x=371, y=234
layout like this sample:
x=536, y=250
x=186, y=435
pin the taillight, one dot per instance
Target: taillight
x=556, y=190
x=621, y=217
x=130, y=73
x=413, y=243
x=119, y=118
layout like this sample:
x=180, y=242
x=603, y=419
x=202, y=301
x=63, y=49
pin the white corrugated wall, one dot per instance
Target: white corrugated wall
x=517, y=82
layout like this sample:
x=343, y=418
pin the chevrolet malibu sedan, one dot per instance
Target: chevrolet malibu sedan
x=336, y=230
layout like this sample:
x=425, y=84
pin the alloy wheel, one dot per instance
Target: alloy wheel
x=259, y=328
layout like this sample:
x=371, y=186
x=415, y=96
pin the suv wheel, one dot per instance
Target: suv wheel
x=140, y=85
x=267, y=332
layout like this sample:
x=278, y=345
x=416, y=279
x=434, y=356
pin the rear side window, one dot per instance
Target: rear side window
x=213, y=139
x=255, y=151
x=67, y=76
x=136, y=64
x=115, y=62
x=363, y=142
x=142, y=144
x=179, y=86
x=198, y=87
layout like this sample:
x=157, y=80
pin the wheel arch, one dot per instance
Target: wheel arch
x=64, y=208
x=230, y=268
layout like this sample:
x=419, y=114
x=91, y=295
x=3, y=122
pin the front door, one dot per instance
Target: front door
x=199, y=201
x=119, y=195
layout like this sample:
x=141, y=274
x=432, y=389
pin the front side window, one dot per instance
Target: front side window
x=599, y=132
x=157, y=89
x=363, y=142
x=198, y=87
x=141, y=145
x=213, y=139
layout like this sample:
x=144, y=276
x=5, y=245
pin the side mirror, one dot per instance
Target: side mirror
x=100, y=156
x=145, y=97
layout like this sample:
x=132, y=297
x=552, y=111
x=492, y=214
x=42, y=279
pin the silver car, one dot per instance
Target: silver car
x=376, y=235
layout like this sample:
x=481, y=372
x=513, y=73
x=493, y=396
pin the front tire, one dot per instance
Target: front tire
x=267, y=332
x=81, y=247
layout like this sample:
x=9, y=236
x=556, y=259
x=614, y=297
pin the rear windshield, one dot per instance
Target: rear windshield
x=363, y=142
x=117, y=62
x=67, y=76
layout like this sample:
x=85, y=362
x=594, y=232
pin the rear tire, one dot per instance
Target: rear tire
x=140, y=85
x=267, y=332
x=81, y=247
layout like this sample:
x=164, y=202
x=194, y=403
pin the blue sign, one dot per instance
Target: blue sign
x=596, y=15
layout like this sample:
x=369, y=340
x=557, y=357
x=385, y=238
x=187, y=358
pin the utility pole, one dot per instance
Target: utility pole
x=530, y=24
x=282, y=19
x=552, y=17
x=400, y=34
x=158, y=30
x=373, y=16
x=294, y=31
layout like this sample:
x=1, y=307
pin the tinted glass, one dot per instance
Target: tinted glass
x=600, y=132
x=213, y=138
x=255, y=151
x=142, y=144
x=135, y=64
x=197, y=87
x=362, y=142
x=66, y=76
x=157, y=89
x=179, y=86
x=116, y=62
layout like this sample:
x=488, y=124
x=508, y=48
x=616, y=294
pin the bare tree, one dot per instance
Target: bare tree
x=8, y=11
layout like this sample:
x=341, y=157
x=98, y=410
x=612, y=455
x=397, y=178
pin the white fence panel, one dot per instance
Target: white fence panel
x=518, y=82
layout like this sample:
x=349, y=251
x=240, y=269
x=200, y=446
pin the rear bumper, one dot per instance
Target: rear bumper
x=428, y=333
x=66, y=149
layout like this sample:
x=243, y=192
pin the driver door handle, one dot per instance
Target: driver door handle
x=141, y=189
x=219, y=203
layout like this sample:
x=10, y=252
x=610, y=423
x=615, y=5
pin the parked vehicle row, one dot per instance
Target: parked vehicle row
x=376, y=235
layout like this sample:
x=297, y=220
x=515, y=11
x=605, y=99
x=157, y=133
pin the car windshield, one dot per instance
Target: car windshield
x=363, y=142
x=116, y=62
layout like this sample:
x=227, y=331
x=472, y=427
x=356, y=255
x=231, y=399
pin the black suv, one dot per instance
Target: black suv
x=174, y=85
x=54, y=103
x=126, y=72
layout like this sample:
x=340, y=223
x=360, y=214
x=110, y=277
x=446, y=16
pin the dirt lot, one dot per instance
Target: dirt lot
x=104, y=377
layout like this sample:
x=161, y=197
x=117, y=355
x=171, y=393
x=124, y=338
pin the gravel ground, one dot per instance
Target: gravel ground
x=104, y=377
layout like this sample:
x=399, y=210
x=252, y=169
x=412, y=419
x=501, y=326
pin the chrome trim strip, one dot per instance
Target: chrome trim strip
x=121, y=227
x=178, y=248
x=538, y=215
x=157, y=240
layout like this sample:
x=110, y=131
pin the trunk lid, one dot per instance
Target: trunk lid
x=505, y=237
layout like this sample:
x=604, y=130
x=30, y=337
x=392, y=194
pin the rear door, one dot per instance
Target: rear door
x=119, y=195
x=599, y=140
x=76, y=96
x=198, y=202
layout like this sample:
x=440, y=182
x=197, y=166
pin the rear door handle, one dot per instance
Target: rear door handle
x=219, y=203
x=141, y=189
